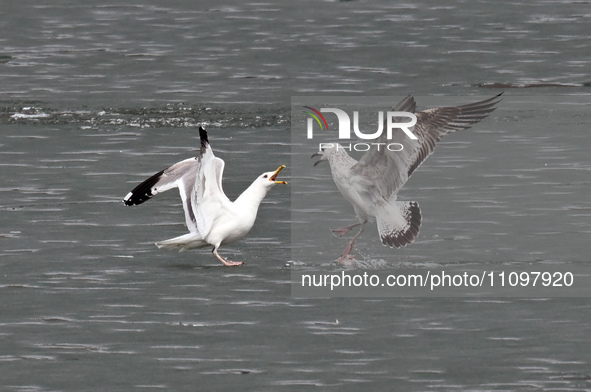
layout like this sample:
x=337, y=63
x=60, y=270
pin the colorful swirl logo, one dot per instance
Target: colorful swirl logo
x=315, y=113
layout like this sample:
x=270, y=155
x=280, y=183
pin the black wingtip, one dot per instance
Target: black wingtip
x=203, y=137
x=143, y=191
x=498, y=96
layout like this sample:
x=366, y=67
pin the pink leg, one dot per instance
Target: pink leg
x=225, y=261
x=344, y=230
x=349, y=248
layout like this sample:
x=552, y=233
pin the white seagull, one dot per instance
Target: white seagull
x=371, y=184
x=212, y=219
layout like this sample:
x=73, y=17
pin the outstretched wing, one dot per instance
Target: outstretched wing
x=387, y=171
x=432, y=124
x=180, y=175
x=189, y=176
x=173, y=177
x=207, y=195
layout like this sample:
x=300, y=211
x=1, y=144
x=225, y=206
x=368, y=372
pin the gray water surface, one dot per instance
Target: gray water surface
x=96, y=96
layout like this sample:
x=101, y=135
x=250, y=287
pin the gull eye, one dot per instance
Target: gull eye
x=265, y=176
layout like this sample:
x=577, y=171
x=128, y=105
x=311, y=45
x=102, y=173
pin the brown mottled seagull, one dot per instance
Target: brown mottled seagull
x=371, y=184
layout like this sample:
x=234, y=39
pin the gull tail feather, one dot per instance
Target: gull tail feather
x=398, y=223
x=183, y=242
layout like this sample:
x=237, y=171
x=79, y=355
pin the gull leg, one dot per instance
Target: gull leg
x=344, y=230
x=349, y=248
x=225, y=261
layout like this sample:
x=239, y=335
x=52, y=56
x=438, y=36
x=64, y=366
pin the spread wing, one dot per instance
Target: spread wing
x=387, y=171
x=207, y=194
x=180, y=175
x=199, y=181
x=432, y=124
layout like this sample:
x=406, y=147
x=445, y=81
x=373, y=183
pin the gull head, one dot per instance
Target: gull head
x=323, y=153
x=269, y=179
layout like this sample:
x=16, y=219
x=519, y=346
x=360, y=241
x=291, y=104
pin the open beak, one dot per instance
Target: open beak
x=317, y=154
x=274, y=176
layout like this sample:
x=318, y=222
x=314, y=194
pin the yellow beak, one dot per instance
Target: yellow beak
x=274, y=176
